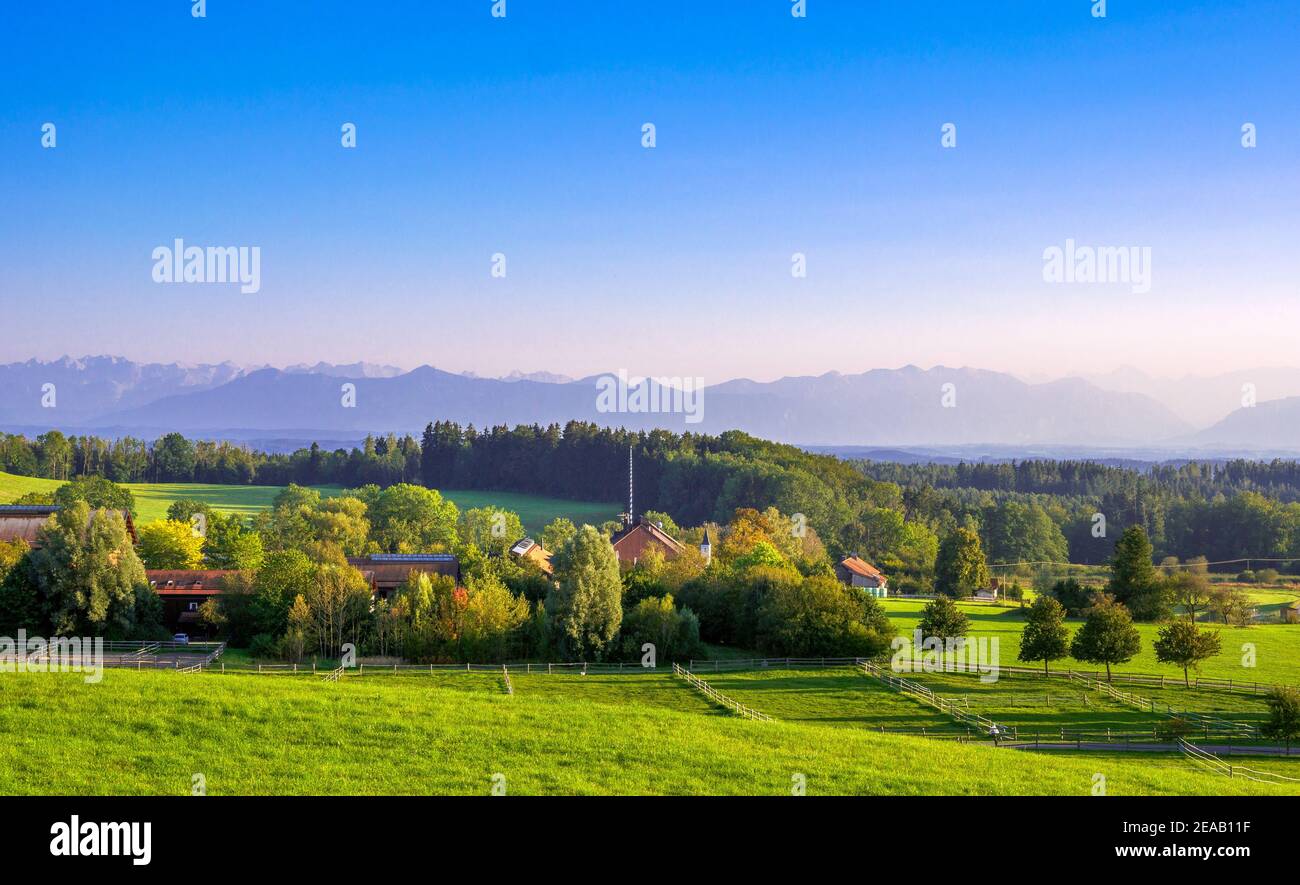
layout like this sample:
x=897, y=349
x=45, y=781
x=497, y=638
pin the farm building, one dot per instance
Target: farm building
x=183, y=591
x=388, y=571
x=632, y=542
x=25, y=520
x=529, y=550
x=854, y=571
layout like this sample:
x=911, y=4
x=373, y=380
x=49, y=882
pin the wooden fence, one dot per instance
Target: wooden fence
x=718, y=697
x=1233, y=685
x=985, y=726
x=1215, y=763
x=1211, y=726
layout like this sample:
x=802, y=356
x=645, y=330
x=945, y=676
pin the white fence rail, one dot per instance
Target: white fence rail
x=944, y=705
x=1213, y=762
x=718, y=697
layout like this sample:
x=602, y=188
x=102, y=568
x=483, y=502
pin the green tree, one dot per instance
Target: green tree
x=284, y=575
x=173, y=459
x=1184, y=644
x=557, y=532
x=96, y=492
x=1107, y=636
x=942, y=618
x=493, y=620
x=1134, y=582
x=821, y=616
x=230, y=545
x=674, y=633
x=1188, y=590
x=1283, y=722
x=1045, y=637
x=490, y=529
x=169, y=544
x=959, y=568
x=1073, y=596
x=587, y=603
x=89, y=579
x=408, y=518
x=1231, y=605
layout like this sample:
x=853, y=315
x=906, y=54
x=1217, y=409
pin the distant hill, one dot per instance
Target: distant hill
x=1272, y=426
x=1201, y=400
x=878, y=408
x=89, y=387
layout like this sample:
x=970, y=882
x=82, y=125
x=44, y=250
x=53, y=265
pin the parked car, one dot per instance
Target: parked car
x=182, y=638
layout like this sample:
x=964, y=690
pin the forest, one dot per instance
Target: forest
x=1027, y=511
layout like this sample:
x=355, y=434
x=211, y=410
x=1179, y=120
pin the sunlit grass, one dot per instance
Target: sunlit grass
x=151, y=732
x=1276, y=652
x=153, y=499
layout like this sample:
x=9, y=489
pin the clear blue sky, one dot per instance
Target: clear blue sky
x=775, y=135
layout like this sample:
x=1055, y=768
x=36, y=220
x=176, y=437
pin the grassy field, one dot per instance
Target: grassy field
x=1034, y=705
x=153, y=499
x=1277, y=646
x=150, y=732
x=836, y=697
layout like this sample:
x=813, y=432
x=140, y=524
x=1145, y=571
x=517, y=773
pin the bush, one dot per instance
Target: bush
x=264, y=645
x=1246, y=577
x=675, y=633
x=1073, y=596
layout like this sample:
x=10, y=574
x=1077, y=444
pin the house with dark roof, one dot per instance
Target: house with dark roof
x=853, y=571
x=25, y=520
x=388, y=571
x=633, y=541
x=183, y=592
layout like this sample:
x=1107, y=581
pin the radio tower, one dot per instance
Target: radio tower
x=629, y=485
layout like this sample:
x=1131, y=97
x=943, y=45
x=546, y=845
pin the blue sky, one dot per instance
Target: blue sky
x=775, y=135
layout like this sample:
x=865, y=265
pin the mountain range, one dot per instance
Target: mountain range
x=902, y=407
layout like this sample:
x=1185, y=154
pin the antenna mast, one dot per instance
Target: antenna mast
x=629, y=485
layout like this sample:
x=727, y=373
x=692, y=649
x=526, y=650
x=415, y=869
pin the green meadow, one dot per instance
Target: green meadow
x=153, y=499
x=453, y=733
x=1276, y=646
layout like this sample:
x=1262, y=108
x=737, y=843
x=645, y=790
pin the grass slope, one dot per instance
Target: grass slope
x=153, y=499
x=1277, y=646
x=149, y=732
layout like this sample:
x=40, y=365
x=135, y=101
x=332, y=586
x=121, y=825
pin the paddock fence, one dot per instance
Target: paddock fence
x=1214, y=762
x=718, y=697
x=987, y=727
x=1211, y=726
x=1147, y=679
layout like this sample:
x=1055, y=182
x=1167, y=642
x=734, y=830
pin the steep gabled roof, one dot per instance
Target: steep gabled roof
x=645, y=525
x=862, y=567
